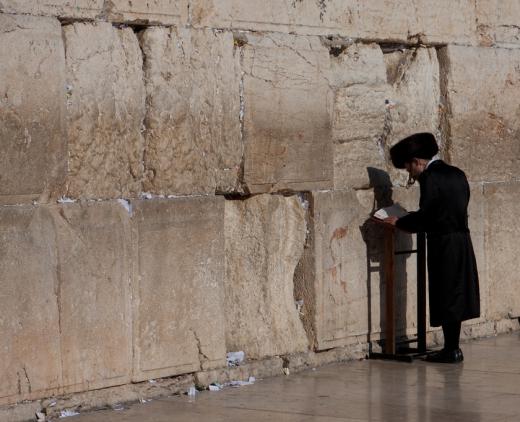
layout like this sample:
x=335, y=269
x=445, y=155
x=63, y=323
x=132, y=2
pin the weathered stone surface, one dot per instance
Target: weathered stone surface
x=165, y=12
x=193, y=119
x=259, y=369
x=413, y=99
x=94, y=276
x=498, y=22
x=442, y=21
x=359, y=114
x=78, y=9
x=179, y=317
x=302, y=361
x=33, y=148
x=288, y=106
x=503, y=265
x=477, y=224
x=264, y=242
x=115, y=396
x=485, y=128
x=374, y=109
x=345, y=296
x=20, y=412
x=106, y=109
x=413, y=76
x=30, y=361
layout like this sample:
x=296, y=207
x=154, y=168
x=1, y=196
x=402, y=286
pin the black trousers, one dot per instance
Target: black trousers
x=451, y=335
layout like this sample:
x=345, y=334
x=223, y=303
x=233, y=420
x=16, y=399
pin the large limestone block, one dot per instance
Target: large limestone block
x=265, y=236
x=93, y=289
x=360, y=90
x=498, y=22
x=414, y=97
x=105, y=111
x=30, y=358
x=179, y=315
x=374, y=109
x=77, y=9
x=484, y=124
x=341, y=275
x=442, y=21
x=477, y=221
x=288, y=107
x=165, y=12
x=301, y=17
x=193, y=140
x=32, y=108
x=502, y=263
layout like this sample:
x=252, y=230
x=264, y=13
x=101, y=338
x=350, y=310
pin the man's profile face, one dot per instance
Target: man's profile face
x=414, y=168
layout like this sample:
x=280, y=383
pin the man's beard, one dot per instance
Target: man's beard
x=410, y=181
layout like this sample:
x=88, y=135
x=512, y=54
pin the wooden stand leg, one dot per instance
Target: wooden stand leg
x=421, y=292
x=390, y=292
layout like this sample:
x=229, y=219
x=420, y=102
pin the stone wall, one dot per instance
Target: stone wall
x=185, y=178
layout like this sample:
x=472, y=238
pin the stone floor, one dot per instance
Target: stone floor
x=486, y=387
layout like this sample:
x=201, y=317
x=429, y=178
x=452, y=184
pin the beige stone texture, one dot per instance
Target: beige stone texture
x=260, y=369
x=76, y=9
x=193, y=140
x=114, y=397
x=414, y=95
x=288, y=108
x=179, y=313
x=359, y=114
x=502, y=263
x=105, y=111
x=165, y=12
x=33, y=149
x=484, y=124
x=414, y=98
x=441, y=22
x=477, y=220
x=265, y=235
x=308, y=360
x=345, y=297
x=374, y=109
x=498, y=23
x=19, y=412
x=94, y=276
x=30, y=359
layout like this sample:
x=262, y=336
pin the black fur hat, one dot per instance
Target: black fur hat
x=418, y=145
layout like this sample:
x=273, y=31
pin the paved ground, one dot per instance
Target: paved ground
x=486, y=387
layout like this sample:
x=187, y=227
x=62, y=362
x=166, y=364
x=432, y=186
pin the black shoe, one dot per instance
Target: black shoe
x=446, y=356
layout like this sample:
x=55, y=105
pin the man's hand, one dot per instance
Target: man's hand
x=390, y=220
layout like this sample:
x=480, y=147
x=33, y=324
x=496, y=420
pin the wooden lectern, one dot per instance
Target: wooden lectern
x=393, y=350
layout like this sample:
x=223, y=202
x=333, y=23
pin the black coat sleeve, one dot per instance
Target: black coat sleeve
x=422, y=219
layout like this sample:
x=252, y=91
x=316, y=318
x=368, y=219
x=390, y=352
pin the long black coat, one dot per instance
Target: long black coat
x=452, y=268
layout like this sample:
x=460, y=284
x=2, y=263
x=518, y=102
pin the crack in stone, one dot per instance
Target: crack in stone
x=445, y=105
x=202, y=356
x=27, y=379
x=293, y=50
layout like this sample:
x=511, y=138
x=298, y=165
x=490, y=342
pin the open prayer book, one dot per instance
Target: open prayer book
x=395, y=210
